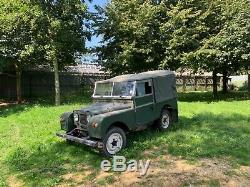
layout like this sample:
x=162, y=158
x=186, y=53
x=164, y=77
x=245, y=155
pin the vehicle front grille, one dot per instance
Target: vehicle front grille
x=83, y=119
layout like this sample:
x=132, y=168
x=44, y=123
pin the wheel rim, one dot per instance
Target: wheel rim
x=165, y=120
x=114, y=143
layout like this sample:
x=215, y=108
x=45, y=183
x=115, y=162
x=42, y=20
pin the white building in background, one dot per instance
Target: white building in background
x=85, y=68
x=239, y=80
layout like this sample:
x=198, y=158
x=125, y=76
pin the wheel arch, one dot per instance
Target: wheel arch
x=173, y=112
x=168, y=107
x=119, y=124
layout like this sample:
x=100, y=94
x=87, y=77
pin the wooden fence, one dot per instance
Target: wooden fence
x=195, y=83
x=36, y=84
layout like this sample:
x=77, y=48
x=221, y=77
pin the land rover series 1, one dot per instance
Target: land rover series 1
x=121, y=105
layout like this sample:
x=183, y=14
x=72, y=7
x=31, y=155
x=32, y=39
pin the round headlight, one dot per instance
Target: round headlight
x=76, y=117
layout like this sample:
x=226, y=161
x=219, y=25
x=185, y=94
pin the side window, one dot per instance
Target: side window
x=148, y=87
x=143, y=88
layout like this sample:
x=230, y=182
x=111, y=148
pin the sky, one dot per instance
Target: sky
x=94, y=40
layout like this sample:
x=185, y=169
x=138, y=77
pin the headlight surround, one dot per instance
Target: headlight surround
x=88, y=118
x=76, y=117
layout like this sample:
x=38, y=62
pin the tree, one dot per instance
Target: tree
x=183, y=30
x=145, y=35
x=18, y=28
x=195, y=34
x=131, y=36
x=227, y=50
x=64, y=34
x=36, y=31
x=191, y=24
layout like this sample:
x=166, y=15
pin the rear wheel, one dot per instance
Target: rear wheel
x=113, y=142
x=165, y=120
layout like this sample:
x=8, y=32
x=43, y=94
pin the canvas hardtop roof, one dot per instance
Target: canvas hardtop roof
x=139, y=76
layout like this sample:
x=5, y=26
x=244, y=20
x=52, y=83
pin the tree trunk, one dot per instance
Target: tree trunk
x=215, y=91
x=248, y=83
x=57, y=83
x=224, y=81
x=18, y=83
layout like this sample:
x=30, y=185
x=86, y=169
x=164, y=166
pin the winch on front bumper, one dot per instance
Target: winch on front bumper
x=82, y=140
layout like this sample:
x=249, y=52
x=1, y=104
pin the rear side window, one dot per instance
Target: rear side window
x=143, y=88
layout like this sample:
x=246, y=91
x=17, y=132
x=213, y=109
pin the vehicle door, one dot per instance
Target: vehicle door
x=144, y=102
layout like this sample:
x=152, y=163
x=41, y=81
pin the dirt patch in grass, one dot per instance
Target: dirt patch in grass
x=171, y=171
x=102, y=175
x=4, y=104
x=127, y=179
x=76, y=177
x=81, y=174
x=182, y=165
x=179, y=172
x=12, y=181
x=245, y=169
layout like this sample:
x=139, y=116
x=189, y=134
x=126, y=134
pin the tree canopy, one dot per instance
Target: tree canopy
x=227, y=49
x=47, y=32
x=196, y=34
x=19, y=30
x=138, y=35
x=131, y=36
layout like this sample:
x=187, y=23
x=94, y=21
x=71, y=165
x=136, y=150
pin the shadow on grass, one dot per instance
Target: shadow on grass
x=83, y=99
x=208, y=96
x=44, y=102
x=46, y=165
x=204, y=135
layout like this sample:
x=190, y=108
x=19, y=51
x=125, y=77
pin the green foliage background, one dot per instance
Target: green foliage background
x=197, y=34
x=208, y=128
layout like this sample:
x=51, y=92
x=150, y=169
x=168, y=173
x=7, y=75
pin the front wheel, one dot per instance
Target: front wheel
x=113, y=142
x=165, y=120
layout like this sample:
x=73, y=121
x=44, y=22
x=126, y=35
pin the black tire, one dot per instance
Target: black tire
x=119, y=142
x=167, y=117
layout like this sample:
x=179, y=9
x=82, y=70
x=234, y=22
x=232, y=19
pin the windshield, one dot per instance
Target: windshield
x=103, y=89
x=115, y=89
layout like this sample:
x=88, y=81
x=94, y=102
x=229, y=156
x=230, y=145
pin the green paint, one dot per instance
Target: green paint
x=153, y=92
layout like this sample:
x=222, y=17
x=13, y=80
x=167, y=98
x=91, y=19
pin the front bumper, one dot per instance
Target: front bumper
x=82, y=140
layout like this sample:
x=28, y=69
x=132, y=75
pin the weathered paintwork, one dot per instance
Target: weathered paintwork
x=130, y=114
x=131, y=119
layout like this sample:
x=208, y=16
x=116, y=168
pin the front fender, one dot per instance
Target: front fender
x=67, y=122
x=96, y=132
x=104, y=121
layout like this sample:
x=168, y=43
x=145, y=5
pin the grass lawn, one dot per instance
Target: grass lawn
x=30, y=151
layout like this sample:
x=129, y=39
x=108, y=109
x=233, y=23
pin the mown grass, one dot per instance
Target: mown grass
x=30, y=151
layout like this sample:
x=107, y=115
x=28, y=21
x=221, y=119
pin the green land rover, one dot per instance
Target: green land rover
x=121, y=105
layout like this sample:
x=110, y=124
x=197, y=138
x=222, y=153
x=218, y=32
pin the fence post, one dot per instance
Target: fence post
x=205, y=83
x=195, y=83
x=248, y=82
x=184, y=84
